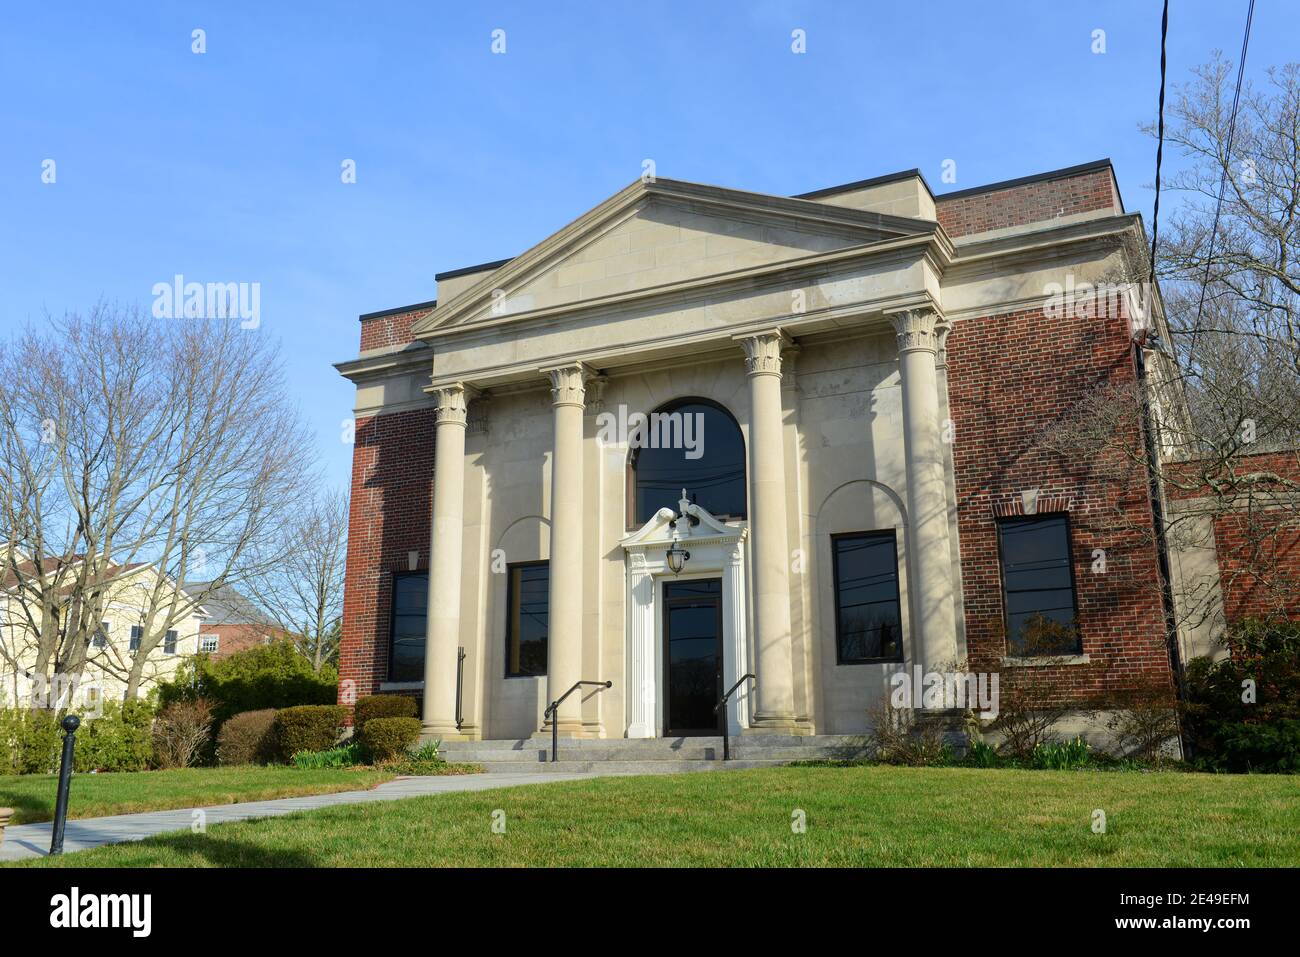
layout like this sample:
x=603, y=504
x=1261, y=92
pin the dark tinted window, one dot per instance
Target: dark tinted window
x=1037, y=584
x=694, y=446
x=169, y=643
x=410, y=615
x=868, y=624
x=527, y=619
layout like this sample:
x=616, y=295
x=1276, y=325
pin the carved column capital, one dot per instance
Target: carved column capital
x=451, y=400
x=595, y=399
x=569, y=383
x=763, y=351
x=915, y=329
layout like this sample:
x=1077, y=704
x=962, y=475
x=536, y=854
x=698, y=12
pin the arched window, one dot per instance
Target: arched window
x=690, y=444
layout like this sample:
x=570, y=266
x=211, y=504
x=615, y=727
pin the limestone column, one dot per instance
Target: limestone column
x=564, y=638
x=773, y=641
x=929, y=558
x=443, y=635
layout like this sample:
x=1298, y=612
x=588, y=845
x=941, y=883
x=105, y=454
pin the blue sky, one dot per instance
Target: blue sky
x=225, y=166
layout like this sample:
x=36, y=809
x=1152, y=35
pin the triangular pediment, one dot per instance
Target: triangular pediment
x=658, y=235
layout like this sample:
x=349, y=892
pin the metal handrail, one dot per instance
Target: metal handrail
x=553, y=708
x=726, y=736
x=460, y=683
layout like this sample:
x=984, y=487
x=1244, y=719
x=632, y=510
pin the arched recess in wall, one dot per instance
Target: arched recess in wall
x=689, y=443
x=860, y=505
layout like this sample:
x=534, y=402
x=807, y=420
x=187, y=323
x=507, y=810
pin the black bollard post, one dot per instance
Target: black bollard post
x=70, y=725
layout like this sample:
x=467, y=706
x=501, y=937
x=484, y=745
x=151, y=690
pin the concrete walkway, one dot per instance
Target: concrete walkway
x=33, y=840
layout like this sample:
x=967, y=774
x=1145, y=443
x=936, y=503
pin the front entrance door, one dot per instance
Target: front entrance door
x=692, y=656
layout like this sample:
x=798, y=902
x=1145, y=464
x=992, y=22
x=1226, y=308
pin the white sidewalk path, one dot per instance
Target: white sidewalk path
x=33, y=840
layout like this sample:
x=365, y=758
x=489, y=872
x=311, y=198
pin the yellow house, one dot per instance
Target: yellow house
x=112, y=649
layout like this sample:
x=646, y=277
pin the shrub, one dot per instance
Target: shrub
x=344, y=756
x=29, y=741
x=247, y=738
x=121, y=739
x=896, y=737
x=308, y=727
x=263, y=676
x=382, y=706
x=388, y=738
x=1242, y=713
x=181, y=733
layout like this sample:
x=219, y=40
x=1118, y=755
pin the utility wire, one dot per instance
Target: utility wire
x=1223, y=179
x=1160, y=152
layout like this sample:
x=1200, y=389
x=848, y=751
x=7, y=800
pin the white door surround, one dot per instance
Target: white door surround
x=717, y=550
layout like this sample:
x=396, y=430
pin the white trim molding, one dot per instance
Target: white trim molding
x=717, y=551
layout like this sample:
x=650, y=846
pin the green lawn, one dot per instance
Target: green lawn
x=856, y=816
x=92, y=795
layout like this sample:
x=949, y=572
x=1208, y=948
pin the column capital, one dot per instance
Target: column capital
x=569, y=383
x=763, y=351
x=915, y=329
x=941, y=329
x=450, y=401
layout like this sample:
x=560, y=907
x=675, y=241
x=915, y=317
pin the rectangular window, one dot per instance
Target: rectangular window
x=208, y=642
x=100, y=638
x=868, y=623
x=137, y=632
x=528, y=606
x=1038, y=586
x=410, y=620
x=169, y=643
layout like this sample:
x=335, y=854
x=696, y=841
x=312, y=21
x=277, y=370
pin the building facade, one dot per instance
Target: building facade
x=113, y=649
x=700, y=434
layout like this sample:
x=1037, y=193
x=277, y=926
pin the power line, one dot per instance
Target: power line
x=1160, y=151
x=1223, y=178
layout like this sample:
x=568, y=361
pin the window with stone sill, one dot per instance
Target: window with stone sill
x=408, y=626
x=868, y=618
x=1038, y=592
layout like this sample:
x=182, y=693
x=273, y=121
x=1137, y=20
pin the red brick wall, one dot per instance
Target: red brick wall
x=390, y=330
x=1259, y=563
x=1009, y=377
x=392, y=500
x=1029, y=202
x=233, y=638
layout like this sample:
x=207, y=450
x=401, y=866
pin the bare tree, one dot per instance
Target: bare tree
x=1212, y=426
x=127, y=440
x=303, y=589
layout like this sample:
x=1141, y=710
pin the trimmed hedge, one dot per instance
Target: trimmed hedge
x=382, y=706
x=388, y=738
x=247, y=738
x=308, y=727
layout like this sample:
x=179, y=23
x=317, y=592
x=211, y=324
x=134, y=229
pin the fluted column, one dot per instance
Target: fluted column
x=443, y=630
x=564, y=658
x=773, y=641
x=920, y=333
